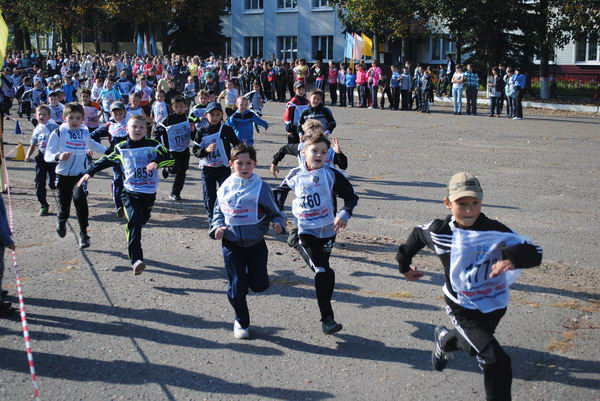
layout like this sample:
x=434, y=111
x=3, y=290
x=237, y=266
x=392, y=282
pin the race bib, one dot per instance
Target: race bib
x=313, y=206
x=74, y=140
x=137, y=178
x=216, y=158
x=472, y=256
x=118, y=130
x=238, y=200
x=179, y=136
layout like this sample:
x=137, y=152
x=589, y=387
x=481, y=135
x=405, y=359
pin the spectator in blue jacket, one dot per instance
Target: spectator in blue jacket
x=518, y=81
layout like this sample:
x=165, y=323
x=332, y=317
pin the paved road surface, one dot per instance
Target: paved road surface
x=101, y=334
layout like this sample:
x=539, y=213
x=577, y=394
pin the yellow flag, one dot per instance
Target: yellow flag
x=368, y=45
x=3, y=37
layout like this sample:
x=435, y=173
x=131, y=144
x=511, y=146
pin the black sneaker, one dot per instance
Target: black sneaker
x=3, y=294
x=120, y=212
x=44, y=211
x=330, y=326
x=84, y=241
x=61, y=229
x=165, y=173
x=439, y=357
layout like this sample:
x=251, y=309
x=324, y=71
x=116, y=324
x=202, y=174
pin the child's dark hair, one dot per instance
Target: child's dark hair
x=178, y=99
x=86, y=91
x=203, y=92
x=43, y=107
x=243, y=148
x=71, y=108
x=136, y=95
x=315, y=138
x=318, y=92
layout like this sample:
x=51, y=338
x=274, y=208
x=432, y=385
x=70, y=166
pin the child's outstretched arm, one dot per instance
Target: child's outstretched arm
x=343, y=189
x=522, y=256
x=416, y=241
x=260, y=122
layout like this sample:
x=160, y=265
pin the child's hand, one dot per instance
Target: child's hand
x=28, y=159
x=413, y=274
x=90, y=153
x=277, y=228
x=274, y=170
x=339, y=224
x=64, y=156
x=219, y=232
x=501, y=267
x=335, y=145
x=151, y=166
x=211, y=148
x=84, y=178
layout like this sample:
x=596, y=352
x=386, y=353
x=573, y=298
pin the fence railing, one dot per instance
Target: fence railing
x=572, y=80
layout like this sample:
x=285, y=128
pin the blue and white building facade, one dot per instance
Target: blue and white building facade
x=285, y=29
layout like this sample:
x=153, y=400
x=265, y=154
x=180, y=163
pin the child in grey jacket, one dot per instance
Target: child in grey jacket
x=244, y=212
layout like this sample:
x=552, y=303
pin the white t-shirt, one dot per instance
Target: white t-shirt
x=458, y=75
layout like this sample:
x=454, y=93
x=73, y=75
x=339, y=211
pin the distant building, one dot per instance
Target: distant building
x=311, y=29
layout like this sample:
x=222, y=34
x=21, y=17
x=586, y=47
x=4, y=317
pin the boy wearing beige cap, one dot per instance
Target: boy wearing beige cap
x=481, y=258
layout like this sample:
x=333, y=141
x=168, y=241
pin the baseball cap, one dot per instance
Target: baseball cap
x=213, y=106
x=298, y=84
x=464, y=184
x=117, y=106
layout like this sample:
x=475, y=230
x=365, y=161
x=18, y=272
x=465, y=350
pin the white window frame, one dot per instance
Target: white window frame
x=253, y=5
x=287, y=47
x=329, y=46
x=445, y=46
x=287, y=4
x=586, y=43
x=255, y=43
x=321, y=4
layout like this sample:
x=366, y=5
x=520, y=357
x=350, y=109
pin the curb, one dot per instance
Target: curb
x=537, y=105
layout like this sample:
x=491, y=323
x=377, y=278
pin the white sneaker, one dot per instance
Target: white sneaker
x=138, y=267
x=517, y=118
x=239, y=332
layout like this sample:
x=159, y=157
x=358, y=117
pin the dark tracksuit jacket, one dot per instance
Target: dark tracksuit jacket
x=320, y=113
x=137, y=205
x=211, y=176
x=474, y=330
x=182, y=159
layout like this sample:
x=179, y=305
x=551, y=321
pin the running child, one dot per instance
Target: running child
x=91, y=110
x=243, y=120
x=24, y=96
x=293, y=110
x=116, y=132
x=189, y=90
x=108, y=96
x=480, y=257
x=43, y=169
x=198, y=112
x=230, y=95
x=212, y=145
x=68, y=145
x=257, y=100
x=160, y=108
x=56, y=107
x=134, y=108
x=244, y=212
x=175, y=134
x=139, y=158
x=316, y=186
x=317, y=111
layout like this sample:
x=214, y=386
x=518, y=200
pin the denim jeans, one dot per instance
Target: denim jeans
x=457, y=99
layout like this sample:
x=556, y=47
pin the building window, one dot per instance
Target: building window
x=253, y=46
x=440, y=47
x=227, y=47
x=287, y=48
x=320, y=3
x=322, y=47
x=253, y=4
x=580, y=45
x=287, y=3
x=592, y=54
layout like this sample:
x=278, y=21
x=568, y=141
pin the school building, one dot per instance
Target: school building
x=311, y=29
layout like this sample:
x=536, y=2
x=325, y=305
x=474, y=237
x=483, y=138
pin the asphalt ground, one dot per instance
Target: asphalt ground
x=99, y=333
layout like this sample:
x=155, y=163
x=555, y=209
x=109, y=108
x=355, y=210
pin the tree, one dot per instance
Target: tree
x=385, y=19
x=553, y=23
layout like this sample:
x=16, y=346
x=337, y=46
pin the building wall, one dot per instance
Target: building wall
x=271, y=22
